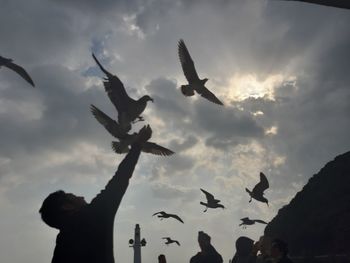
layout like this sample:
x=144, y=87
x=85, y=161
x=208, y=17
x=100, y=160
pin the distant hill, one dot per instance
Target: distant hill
x=317, y=220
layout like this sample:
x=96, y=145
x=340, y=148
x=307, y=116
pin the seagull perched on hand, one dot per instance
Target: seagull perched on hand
x=194, y=82
x=258, y=191
x=7, y=62
x=246, y=221
x=125, y=139
x=170, y=241
x=211, y=201
x=128, y=109
x=163, y=215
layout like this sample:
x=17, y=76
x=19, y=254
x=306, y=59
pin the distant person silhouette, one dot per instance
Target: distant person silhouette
x=245, y=251
x=279, y=251
x=86, y=229
x=161, y=258
x=265, y=249
x=208, y=253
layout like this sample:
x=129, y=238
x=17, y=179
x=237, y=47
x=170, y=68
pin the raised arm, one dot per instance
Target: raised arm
x=108, y=200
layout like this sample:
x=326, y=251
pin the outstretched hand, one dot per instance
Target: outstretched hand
x=144, y=135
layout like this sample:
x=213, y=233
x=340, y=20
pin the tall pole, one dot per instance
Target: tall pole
x=137, y=243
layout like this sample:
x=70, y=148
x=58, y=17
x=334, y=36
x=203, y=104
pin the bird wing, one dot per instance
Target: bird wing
x=177, y=242
x=115, y=89
x=167, y=238
x=151, y=147
x=262, y=185
x=260, y=221
x=119, y=147
x=209, y=196
x=20, y=71
x=205, y=93
x=176, y=217
x=157, y=213
x=187, y=63
x=111, y=125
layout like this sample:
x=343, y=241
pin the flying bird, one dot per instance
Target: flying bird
x=129, y=110
x=258, y=191
x=170, y=241
x=125, y=139
x=163, y=215
x=7, y=62
x=338, y=3
x=194, y=82
x=246, y=221
x=211, y=201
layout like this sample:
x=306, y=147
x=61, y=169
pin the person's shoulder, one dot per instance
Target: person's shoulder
x=196, y=258
x=285, y=260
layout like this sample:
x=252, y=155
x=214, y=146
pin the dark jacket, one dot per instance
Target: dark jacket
x=210, y=255
x=87, y=235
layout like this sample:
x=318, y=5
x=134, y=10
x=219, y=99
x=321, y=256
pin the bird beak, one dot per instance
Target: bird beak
x=152, y=100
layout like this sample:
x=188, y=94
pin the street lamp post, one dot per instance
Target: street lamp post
x=137, y=243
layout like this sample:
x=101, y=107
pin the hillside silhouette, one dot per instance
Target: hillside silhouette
x=317, y=220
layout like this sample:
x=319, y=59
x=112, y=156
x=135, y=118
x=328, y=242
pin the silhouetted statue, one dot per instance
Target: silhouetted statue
x=208, y=253
x=211, y=201
x=194, y=82
x=170, y=241
x=7, y=62
x=163, y=215
x=86, y=229
x=245, y=252
x=161, y=258
x=247, y=222
x=279, y=251
x=258, y=191
x=334, y=3
x=128, y=109
x=125, y=139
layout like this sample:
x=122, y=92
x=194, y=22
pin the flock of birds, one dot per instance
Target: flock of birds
x=129, y=112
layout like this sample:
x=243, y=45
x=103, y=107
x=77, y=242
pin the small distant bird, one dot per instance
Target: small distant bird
x=125, y=139
x=163, y=215
x=7, y=62
x=170, y=241
x=211, y=201
x=128, y=109
x=338, y=3
x=258, y=191
x=246, y=221
x=194, y=82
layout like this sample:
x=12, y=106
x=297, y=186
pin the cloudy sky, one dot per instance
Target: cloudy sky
x=281, y=68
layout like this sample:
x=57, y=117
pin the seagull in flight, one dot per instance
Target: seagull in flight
x=129, y=110
x=125, y=139
x=163, y=215
x=258, y=191
x=194, y=82
x=170, y=241
x=7, y=62
x=211, y=201
x=246, y=221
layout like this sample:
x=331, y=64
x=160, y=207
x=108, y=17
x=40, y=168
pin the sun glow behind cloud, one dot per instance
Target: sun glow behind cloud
x=251, y=86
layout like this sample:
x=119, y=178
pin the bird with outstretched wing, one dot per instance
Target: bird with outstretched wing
x=7, y=62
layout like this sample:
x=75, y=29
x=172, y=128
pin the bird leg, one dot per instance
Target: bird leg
x=250, y=199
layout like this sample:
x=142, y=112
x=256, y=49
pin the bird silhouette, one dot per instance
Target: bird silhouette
x=246, y=221
x=211, y=201
x=129, y=110
x=258, y=191
x=7, y=62
x=194, y=82
x=125, y=139
x=339, y=3
x=170, y=241
x=163, y=215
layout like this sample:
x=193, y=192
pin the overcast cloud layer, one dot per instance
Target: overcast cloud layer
x=281, y=68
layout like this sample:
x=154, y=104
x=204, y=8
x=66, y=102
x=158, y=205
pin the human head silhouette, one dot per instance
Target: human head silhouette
x=244, y=246
x=58, y=205
x=279, y=248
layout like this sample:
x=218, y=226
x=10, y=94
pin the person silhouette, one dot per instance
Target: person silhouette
x=86, y=229
x=161, y=258
x=208, y=253
x=279, y=251
x=245, y=251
